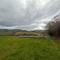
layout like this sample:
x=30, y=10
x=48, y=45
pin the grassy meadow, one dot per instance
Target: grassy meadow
x=16, y=48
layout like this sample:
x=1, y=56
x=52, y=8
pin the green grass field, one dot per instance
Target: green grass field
x=16, y=48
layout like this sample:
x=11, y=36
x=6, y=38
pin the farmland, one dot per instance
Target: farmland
x=16, y=48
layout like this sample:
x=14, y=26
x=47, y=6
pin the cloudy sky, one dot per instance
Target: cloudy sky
x=27, y=14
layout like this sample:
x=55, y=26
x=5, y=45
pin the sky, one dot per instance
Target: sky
x=27, y=14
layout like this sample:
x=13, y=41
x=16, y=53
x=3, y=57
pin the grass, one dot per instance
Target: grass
x=16, y=48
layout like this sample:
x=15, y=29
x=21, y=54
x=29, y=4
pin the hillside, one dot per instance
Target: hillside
x=19, y=32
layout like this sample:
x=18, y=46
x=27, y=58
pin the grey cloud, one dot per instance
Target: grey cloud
x=14, y=14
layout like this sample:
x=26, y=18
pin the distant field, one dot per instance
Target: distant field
x=16, y=48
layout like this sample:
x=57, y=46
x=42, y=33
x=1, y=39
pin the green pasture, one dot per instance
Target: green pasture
x=16, y=48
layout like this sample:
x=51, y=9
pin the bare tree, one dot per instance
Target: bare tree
x=54, y=28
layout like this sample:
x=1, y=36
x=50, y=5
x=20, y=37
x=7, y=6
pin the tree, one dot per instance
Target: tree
x=54, y=27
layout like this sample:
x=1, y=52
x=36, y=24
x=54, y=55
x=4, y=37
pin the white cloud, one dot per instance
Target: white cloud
x=44, y=2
